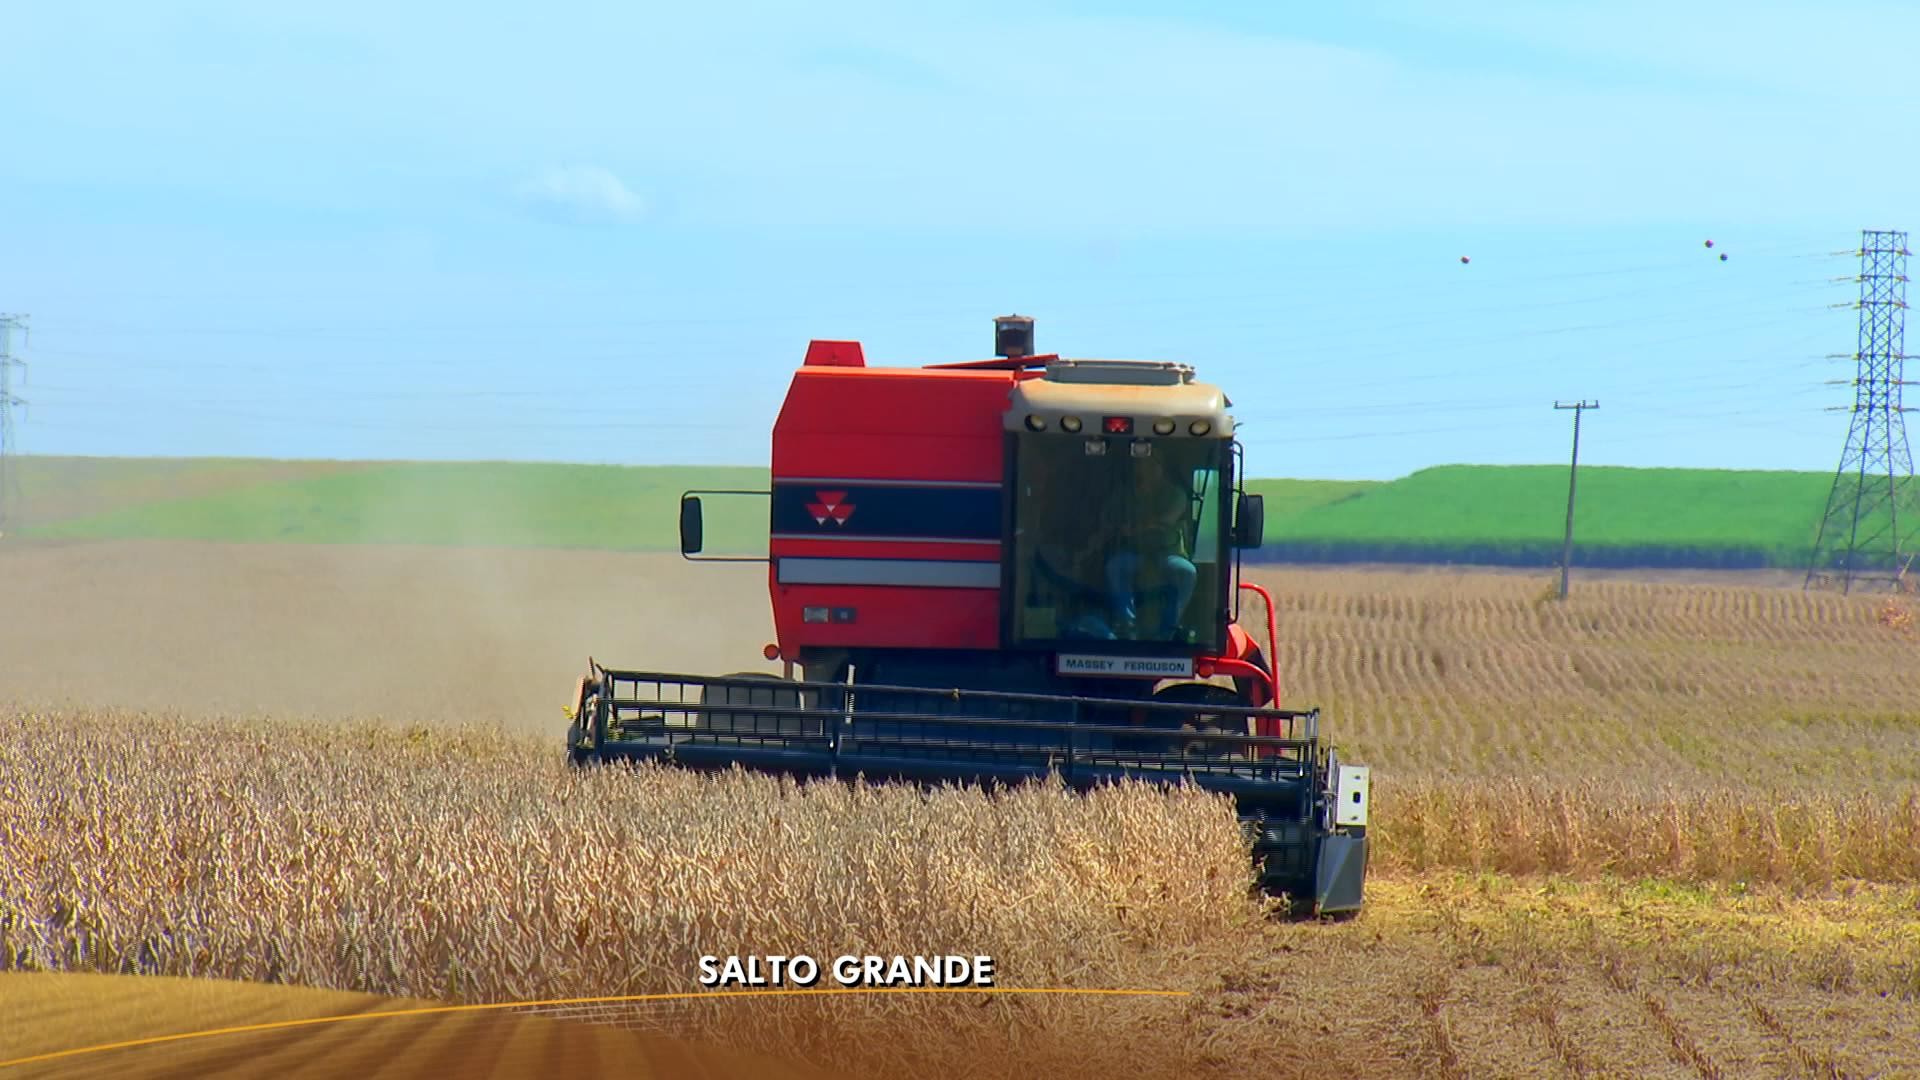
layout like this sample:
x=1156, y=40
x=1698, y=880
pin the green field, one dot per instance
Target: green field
x=485, y=503
x=1293, y=498
x=1455, y=513
x=1517, y=515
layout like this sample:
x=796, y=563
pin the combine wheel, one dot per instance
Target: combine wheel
x=1202, y=694
x=774, y=694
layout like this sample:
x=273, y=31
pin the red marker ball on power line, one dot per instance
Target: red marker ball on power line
x=1723, y=256
x=1463, y=260
x=1709, y=243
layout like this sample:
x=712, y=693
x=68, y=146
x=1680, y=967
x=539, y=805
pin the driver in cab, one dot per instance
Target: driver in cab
x=1150, y=544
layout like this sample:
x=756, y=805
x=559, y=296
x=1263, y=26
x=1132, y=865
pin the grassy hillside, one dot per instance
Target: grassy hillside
x=1517, y=515
x=1288, y=498
x=1456, y=513
x=54, y=489
x=585, y=506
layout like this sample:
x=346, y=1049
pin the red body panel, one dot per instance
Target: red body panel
x=891, y=424
x=849, y=436
x=835, y=354
x=898, y=427
x=892, y=616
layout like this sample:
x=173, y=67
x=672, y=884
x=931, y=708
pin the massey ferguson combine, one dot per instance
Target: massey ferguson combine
x=999, y=570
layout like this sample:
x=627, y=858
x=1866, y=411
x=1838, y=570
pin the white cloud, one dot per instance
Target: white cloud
x=584, y=194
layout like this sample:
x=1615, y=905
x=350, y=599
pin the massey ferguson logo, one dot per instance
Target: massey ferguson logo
x=830, y=506
x=1134, y=667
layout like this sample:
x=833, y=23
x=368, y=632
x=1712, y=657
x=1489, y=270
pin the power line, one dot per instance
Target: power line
x=1295, y=349
x=465, y=326
x=1361, y=261
x=1733, y=315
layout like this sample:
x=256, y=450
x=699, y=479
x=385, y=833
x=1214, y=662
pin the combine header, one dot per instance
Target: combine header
x=1000, y=570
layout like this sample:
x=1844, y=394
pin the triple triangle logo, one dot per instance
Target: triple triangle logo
x=830, y=506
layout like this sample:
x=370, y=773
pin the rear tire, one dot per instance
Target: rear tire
x=1203, y=694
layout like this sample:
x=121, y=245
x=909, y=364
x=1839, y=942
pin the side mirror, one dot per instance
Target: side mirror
x=691, y=531
x=1249, y=522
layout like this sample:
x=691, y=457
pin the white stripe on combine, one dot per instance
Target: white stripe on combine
x=884, y=539
x=932, y=573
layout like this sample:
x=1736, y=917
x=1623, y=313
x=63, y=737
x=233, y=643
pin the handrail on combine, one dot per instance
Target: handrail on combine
x=1273, y=636
x=607, y=676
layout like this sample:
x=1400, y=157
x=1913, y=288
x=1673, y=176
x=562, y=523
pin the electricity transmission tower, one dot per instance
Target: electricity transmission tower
x=8, y=482
x=1871, y=514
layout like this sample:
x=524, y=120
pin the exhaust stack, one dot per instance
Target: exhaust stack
x=1013, y=336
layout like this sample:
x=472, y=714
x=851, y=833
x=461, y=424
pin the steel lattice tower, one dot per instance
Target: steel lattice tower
x=1865, y=534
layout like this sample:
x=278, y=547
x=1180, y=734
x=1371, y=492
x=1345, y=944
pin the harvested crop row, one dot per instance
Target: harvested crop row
x=1803, y=839
x=1481, y=677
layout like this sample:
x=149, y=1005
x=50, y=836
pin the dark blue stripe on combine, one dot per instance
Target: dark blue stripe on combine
x=887, y=510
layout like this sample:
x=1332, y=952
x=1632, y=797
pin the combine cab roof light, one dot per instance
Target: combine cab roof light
x=1163, y=426
x=1036, y=422
x=1200, y=427
x=1070, y=424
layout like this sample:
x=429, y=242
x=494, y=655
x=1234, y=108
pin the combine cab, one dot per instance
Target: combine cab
x=1002, y=570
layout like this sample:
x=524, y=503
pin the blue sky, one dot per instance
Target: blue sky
x=606, y=232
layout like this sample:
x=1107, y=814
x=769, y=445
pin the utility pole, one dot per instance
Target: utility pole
x=1573, y=475
x=8, y=324
x=1866, y=531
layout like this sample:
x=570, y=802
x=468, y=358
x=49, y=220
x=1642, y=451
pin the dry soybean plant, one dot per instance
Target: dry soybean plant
x=471, y=866
x=1800, y=838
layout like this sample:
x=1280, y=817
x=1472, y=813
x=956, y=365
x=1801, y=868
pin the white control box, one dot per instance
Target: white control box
x=1350, y=795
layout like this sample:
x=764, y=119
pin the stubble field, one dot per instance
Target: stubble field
x=1664, y=829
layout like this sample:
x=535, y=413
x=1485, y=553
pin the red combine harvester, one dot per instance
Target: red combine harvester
x=998, y=570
